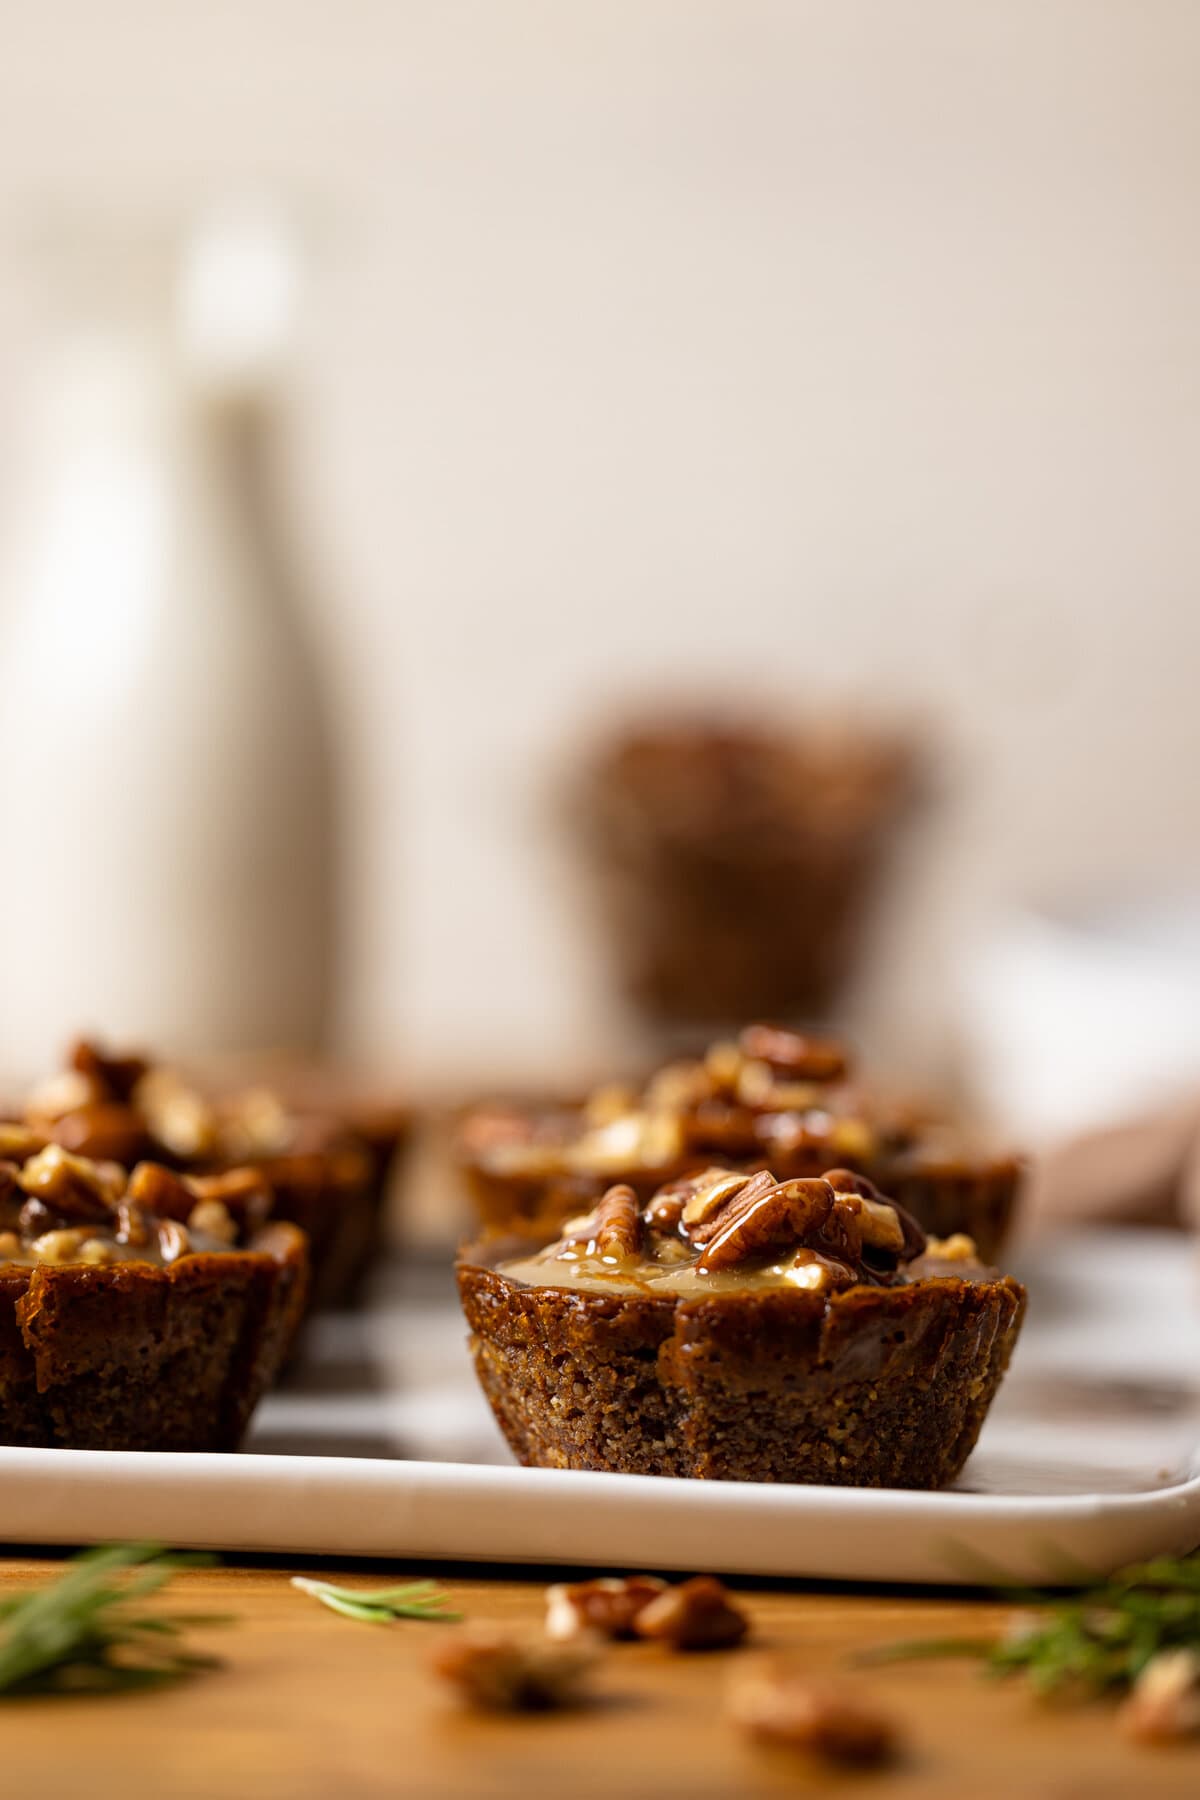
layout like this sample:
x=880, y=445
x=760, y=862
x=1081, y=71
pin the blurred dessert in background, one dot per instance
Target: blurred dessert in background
x=142, y=1312
x=771, y=1098
x=326, y=1159
x=737, y=862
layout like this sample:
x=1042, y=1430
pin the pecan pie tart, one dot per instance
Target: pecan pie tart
x=147, y=1312
x=738, y=1327
x=771, y=1098
x=327, y=1168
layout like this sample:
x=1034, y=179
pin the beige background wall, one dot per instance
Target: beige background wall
x=825, y=348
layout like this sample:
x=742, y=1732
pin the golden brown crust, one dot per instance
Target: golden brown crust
x=140, y=1357
x=870, y=1386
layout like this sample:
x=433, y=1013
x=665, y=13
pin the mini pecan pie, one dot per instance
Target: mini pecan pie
x=327, y=1166
x=774, y=1098
x=735, y=862
x=148, y=1313
x=743, y=1328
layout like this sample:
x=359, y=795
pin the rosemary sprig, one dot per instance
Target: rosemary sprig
x=1097, y=1642
x=81, y=1633
x=377, y=1606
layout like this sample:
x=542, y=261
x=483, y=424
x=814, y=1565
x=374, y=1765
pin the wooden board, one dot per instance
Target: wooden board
x=309, y=1706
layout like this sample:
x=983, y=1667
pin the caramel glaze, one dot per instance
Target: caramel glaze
x=720, y=1233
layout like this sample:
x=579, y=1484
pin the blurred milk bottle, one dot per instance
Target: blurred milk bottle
x=163, y=759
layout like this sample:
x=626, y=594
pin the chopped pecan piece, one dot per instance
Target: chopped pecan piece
x=177, y=1117
x=105, y=1130
x=723, y=1065
x=212, y=1218
x=876, y=1229
x=58, y=1246
x=608, y=1606
x=160, y=1191
x=114, y=1076
x=700, y=1614
x=19, y=1142
x=69, y=1188
x=793, y=1053
x=718, y=1125
x=652, y=1140
x=765, y=1217
x=1164, y=1705
x=243, y=1193
x=781, y=1705
x=499, y=1673
x=958, y=1247
x=61, y=1094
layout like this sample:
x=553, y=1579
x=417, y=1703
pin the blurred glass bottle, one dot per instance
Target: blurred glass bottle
x=163, y=755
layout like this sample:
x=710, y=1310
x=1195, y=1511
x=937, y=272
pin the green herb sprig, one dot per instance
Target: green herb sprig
x=82, y=1635
x=378, y=1606
x=1097, y=1642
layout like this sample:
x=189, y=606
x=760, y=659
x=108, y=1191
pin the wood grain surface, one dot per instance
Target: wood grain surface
x=308, y=1704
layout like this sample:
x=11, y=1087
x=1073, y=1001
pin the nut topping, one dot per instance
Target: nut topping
x=810, y=1233
x=765, y=1215
x=792, y=1053
x=778, y=1704
x=709, y=1194
x=160, y=1191
x=700, y=1614
x=69, y=1187
x=177, y=1117
x=211, y=1218
x=613, y=1231
x=19, y=1142
x=499, y=1673
x=104, y=1130
x=609, y=1607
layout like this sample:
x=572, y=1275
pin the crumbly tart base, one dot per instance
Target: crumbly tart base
x=872, y=1387
x=139, y=1357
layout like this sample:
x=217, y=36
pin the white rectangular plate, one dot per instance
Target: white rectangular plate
x=382, y=1447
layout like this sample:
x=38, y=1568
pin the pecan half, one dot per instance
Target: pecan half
x=765, y=1216
x=779, y=1704
x=794, y=1053
x=703, y=1230
x=499, y=1673
x=700, y=1614
x=709, y=1192
x=608, y=1606
x=613, y=1229
x=70, y=1188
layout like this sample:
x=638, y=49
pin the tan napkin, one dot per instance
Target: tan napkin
x=1144, y=1172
